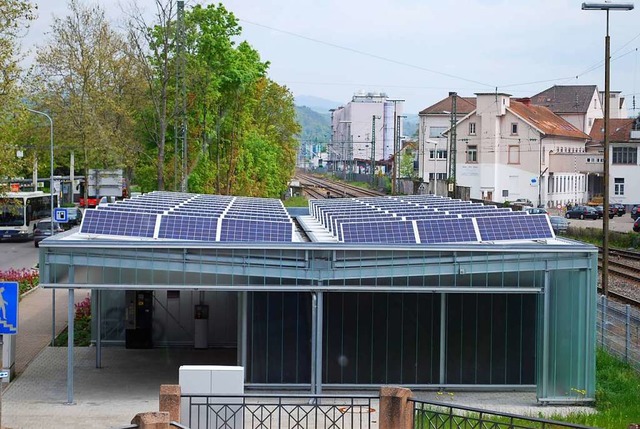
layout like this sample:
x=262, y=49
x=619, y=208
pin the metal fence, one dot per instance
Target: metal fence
x=278, y=412
x=618, y=330
x=435, y=415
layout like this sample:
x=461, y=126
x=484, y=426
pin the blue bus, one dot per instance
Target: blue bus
x=19, y=212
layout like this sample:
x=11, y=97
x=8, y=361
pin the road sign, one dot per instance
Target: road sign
x=8, y=308
x=4, y=374
x=60, y=215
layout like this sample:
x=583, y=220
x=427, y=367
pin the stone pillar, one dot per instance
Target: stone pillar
x=396, y=412
x=152, y=420
x=170, y=401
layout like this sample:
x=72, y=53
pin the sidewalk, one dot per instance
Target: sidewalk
x=34, y=323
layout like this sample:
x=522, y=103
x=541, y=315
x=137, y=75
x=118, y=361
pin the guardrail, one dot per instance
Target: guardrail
x=427, y=414
x=267, y=411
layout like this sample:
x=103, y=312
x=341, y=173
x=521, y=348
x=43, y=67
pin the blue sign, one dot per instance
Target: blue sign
x=60, y=215
x=8, y=308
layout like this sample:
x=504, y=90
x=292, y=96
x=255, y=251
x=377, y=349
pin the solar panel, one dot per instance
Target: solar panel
x=188, y=228
x=393, y=232
x=108, y=222
x=514, y=227
x=446, y=231
x=248, y=230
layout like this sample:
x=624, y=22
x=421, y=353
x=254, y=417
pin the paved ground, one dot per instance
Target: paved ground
x=619, y=224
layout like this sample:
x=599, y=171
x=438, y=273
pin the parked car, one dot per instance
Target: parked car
x=42, y=230
x=636, y=225
x=635, y=212
x=523, y=202
x=620, y=208
x=600, y=211
x=559, y=224
x=582, y=212
x=535, y=210
x=74, y=217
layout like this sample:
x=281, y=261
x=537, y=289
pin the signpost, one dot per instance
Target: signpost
x=8, y=321
x=60, y=215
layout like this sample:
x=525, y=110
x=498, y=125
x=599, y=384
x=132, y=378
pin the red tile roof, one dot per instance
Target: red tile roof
x=464, y=105
x=619, y=130
x=546, y=121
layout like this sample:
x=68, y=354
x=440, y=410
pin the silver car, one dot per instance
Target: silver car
x=559, y=224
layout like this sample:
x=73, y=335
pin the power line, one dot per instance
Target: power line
x=367, y=54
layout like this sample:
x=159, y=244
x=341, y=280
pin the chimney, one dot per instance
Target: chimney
x=525, y=100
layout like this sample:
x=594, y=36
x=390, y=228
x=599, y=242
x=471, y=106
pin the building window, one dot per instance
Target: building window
x=439, y=154
x=472, y=153
x=514, y=154
x=590, y=122
x=514, y=128
x=618, y=186
x=435, y=132
x=472, y=128
x=625, y=155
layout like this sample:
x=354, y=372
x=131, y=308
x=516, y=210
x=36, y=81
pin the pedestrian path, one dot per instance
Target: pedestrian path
x=35, y=323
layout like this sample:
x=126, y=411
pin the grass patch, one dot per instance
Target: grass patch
x=617, y=395
x=296, y=202
x=622, y=240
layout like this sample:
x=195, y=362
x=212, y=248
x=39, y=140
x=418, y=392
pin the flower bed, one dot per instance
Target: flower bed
x=27, y=278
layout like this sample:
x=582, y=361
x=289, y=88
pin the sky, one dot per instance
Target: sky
x=419, y=50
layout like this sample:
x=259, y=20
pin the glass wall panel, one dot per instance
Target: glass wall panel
x=381, y=338
x=491, y=339
x=279, y=337
x=570, y=369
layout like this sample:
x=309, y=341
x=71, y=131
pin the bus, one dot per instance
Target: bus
x=19, y=212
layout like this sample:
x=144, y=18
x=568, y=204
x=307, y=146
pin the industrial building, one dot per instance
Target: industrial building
x=421, y=291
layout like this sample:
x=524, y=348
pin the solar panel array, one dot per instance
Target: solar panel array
x=194, y=217
x=425, y=219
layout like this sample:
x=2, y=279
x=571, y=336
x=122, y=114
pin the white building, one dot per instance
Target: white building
x=580, y=105
x=365, y=129
x=434, y=121
x=504, y=148
x=624, y=144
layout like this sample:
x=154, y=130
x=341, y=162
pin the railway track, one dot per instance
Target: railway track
x=316, y=187
x=618, y=268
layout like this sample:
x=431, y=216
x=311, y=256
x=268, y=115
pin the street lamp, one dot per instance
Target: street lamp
x=51, y=163
x=53, y=295
x=607, y=65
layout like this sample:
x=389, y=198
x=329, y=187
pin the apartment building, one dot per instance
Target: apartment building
x=368, y=127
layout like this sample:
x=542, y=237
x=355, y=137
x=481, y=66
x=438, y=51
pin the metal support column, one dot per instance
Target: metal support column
x=243, y=329
x=98, y=293
x=627, y=331
x=545, y=335
x=373, y=151
x=314, y=334
x=70, y=335
x=443, y=337
x=318, y=357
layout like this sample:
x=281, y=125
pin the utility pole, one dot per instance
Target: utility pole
x=373, y=150
x=452, y=145
x=181, y=100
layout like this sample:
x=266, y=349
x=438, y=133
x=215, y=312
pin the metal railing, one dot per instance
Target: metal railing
x=267, y=411
x=437, y=415
x=618, y=330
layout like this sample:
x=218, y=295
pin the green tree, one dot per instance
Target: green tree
x=15, y=16
x=92, y=85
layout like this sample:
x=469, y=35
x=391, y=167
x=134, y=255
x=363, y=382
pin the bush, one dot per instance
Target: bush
x=26, y=278
x=82, y=326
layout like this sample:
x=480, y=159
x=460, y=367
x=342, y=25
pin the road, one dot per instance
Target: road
x=619, y=224
x=18, y=254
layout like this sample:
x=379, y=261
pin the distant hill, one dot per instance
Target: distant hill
x=411, y=124
x=320, y=105
x=316, y=127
